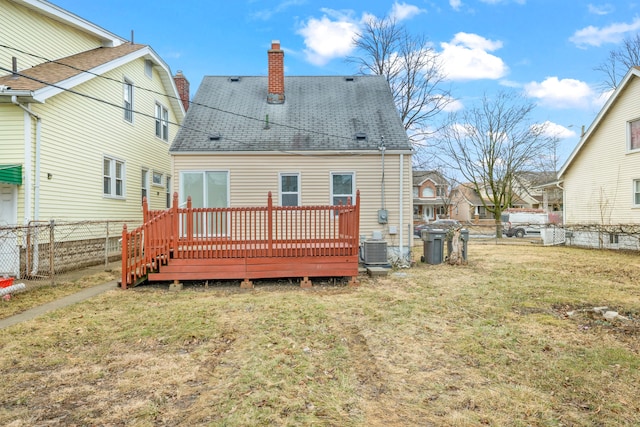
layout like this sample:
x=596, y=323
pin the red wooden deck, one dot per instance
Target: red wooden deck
x=242, y=243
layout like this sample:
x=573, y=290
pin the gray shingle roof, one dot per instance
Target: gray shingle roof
x=319, y=113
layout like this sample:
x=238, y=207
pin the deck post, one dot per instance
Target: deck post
x=189, y=219
x=270, y=225
x=246, y=284
x=175, y=224
x=306, y=283
x=125, y=258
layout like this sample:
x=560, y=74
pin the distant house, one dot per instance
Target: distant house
x=601, y=177
x=86, y=119
x=307, y=140
x=430, y=196
x=467, y=204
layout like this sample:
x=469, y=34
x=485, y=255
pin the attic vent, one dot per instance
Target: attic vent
x=234, y=79
x=349, y=78
x=215, y=136
x=360, y=136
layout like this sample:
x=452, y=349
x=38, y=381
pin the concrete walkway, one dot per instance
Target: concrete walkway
x=54, y=305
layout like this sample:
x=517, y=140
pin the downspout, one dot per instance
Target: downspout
x=401, y=228
x=27, y=174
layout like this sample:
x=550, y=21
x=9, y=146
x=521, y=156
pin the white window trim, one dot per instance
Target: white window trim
x=168, y=194
x=127, y=81
x=112, y=175
x=280, y=192
x=635, y=183
x=629, y=149
x=353, y=186
x=182, y=200
x=148, y=68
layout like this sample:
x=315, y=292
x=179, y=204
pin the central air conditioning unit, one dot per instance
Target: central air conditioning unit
x=374, y=252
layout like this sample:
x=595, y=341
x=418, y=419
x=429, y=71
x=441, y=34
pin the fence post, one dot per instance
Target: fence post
x=52, y=267
x=125, y=258
x=106, y=248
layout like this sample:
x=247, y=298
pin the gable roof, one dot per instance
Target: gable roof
x=421, y=176
x=322, y=113
x=634, y=72
x=64, y=16
x=50, y=78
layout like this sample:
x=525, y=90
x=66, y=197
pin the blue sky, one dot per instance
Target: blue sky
x=547, y=49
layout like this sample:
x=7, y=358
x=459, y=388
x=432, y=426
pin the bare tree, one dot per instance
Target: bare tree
x=619, y=61
x=490, y=144
x=412, y=68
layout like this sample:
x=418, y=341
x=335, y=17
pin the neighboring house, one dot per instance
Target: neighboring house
x=430, y=196
x=467, y=204
x=538, y=190
x=86, y=119
x=601, y=177
x=307, y=140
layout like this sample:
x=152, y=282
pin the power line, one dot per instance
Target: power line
x=170, y=97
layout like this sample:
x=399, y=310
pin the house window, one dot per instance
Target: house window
x=207, y=189
x=613, y=238
x=440, y=191
x=427, y=192
x=157, y=178
x=128, y=101
x=416, y=191
x=168, y=187
x=144, y=185
x=290, y=189
x=634, y=135
x=342, y=185
x=113, y=177
x=636, y=192
x=162, y=122
x=148, y=68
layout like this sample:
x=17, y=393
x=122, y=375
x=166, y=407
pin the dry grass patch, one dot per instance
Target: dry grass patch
x=489, y=343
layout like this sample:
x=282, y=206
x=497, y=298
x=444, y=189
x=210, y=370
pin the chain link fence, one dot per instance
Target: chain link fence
x=40, y=250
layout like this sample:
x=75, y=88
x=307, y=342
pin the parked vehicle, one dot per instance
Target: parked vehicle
x=520, y=224
x=438, y=224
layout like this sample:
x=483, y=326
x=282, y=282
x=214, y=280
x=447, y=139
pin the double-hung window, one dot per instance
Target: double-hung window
x=113, y=177
x=145, y=184
x=342, y=188
x=289, y=189
x=162, y=122
x=128, y=101
x=634, y=135
x=636, y=193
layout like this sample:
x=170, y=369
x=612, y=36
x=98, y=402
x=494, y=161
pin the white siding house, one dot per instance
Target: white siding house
x=84, y=114
x=601, y=178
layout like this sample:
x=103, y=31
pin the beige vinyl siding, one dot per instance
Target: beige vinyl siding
x=598, y=183
x=12, y=136
x=253, y=176
x=77, y=132
x=45, y=37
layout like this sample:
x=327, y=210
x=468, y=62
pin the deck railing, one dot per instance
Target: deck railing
x=248, y=232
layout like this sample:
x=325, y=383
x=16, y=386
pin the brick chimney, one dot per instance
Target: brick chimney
x=182, y=84
x=276, y=74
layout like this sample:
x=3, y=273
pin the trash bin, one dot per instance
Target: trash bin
x=464, y=238
x=433, y=246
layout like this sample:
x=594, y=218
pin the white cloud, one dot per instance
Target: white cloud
x=565, y=93
x=402, y=11
x=594, y=36
x=455, y=4
x=555, y=130
x=603, y=9
x=466, y=57
x=326, y=39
